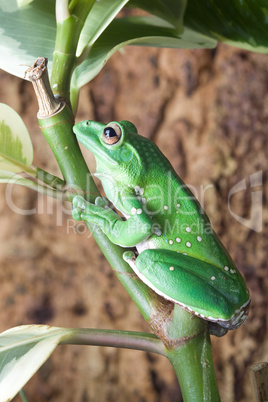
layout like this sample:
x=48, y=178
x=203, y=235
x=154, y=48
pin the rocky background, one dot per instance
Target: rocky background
x=208, y=112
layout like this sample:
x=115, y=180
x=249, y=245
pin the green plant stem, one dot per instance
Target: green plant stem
x=49, y=179
x=81, y=8
x=191, y=357
x=67, y=37
x=118, y=339
x=57, y=130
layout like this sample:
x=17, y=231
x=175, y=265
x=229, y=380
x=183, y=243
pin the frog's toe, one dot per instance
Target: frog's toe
x=101, y=202
x=128, y=255
x=78, y=202
x=76, y=214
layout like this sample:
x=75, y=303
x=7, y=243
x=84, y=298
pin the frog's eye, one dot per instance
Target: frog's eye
x=111, y=134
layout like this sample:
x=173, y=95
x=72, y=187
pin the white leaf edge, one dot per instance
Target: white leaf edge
x=17, y=372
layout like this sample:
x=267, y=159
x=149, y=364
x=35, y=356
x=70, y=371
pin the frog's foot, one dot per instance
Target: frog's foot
x=130, y=258
x=78, y=202
x=217, y=329
x=78, y=207
x=82, y=208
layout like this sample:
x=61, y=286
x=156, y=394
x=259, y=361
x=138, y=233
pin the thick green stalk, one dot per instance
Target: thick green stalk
x=189, y=350
x=57, y=130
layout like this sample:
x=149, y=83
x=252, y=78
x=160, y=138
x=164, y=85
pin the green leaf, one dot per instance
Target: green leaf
x=100, y=16
x=16, y=150
x=240, y=23
x=25, y=34
x=143, y=31
x=169, y=10
x=22, y=351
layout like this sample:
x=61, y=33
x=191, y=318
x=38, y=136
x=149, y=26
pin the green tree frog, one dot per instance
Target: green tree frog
x=177, y=253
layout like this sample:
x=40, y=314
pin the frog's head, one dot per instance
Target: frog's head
x=117, y=147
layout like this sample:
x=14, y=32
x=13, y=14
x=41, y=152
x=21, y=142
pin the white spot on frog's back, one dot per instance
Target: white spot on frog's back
x=213, y=278
x=165, y=207
x=133, y=211
x=232, y=271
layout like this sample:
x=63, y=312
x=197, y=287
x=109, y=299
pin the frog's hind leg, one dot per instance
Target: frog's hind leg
x=198, y=286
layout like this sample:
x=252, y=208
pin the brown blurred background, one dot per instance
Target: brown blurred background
x=208, y=112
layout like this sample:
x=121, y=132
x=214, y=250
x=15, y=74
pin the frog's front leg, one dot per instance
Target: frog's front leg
x=124, y=233
x=198, y=286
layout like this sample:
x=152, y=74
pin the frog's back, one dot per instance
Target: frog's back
x=179, y=222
